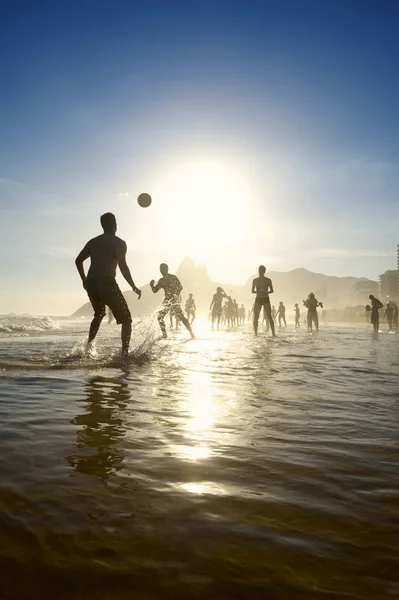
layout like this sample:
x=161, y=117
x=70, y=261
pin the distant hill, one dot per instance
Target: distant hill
x=289, y=286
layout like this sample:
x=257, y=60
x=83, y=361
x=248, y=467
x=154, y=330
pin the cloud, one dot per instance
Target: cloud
x=60, y=252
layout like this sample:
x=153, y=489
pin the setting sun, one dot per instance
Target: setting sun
x=207, y=207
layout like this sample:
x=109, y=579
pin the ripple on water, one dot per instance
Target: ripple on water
x=229, y=467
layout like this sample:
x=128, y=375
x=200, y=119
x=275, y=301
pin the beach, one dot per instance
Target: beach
x=223, y=467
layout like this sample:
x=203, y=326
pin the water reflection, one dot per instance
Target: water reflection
x=102, y=428
x=261, y=364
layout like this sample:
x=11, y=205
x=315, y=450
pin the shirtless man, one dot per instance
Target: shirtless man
x=216, y=306
x=172, y=288
x=281, y=314
x=106, y=252
x=312, y=304
x=262, y=286
x=375, y=315
x=190, y=308
x=297, y=316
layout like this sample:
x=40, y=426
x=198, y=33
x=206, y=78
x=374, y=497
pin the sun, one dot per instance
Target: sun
x=206, y=208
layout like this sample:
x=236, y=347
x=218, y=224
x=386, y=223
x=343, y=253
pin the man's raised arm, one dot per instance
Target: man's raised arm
x=121, y=256
x=82, y=256
x=155, y=288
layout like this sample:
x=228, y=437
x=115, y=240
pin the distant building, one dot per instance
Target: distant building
x=362, y=290
x=389, y=285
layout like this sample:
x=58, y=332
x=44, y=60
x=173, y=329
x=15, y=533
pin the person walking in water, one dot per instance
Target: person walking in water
x=262, y=286
x=375, y=315
x=281, y=314
x=311, y=304
x=106, y=253
x=190, y=308
x=172, y=288
x=216, y=306
x=297, y=316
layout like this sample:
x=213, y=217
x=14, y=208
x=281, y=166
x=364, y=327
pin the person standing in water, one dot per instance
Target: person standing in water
x=388, y=315
x=172, y=288
x=311, y=304
x=281, y=314
x=375, y=315
x=297, y=316
x=395, y=317
x=262, y=286
x=274, y=313
x=106, y=253
x=190, y=308
x=243, y=312
x=216, y=306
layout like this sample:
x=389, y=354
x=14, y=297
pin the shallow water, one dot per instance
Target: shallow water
x=224, y=467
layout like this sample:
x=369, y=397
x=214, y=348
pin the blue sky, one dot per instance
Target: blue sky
x=105, y=98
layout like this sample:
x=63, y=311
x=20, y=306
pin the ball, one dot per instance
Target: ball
x=144, y=200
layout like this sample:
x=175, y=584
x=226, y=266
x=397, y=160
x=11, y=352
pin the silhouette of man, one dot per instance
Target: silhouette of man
x=216, y=306
x=190, y=308
x=229, y=311
x=274, y=313
x=297, y=316
x=311, y=304
x=395, y=316
x=388, y=315
x=172, y=288
x=243, y=312
x=106, y=252
x=262, y=286
x=281, y=314
x=236, y=313
x=375, y=315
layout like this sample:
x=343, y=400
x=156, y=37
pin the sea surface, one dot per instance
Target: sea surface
x=227, y=467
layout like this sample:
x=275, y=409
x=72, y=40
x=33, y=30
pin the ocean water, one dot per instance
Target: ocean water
x=227, y=467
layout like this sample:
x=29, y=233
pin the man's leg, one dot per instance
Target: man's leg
x=179, y=315
x=257, y=309
x=94, y=327
x=98, y=304
x=161, y=315
x=126, y=334
x=268, y=312
x=316, y=321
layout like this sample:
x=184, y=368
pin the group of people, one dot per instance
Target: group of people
x=391, y=314
x=107, y=251
x=228, y=313
x=262, y=286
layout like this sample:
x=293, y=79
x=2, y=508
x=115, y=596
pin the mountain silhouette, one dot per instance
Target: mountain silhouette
x=290, y=287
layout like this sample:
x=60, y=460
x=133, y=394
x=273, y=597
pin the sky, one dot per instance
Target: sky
x=265, y=131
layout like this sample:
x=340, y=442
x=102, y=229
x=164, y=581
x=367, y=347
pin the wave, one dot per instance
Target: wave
x=26, y=324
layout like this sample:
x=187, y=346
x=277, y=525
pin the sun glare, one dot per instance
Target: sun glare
x=207, y=208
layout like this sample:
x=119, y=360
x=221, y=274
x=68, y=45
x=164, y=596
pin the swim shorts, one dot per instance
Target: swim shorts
x=104, y=291
x=262, y=301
